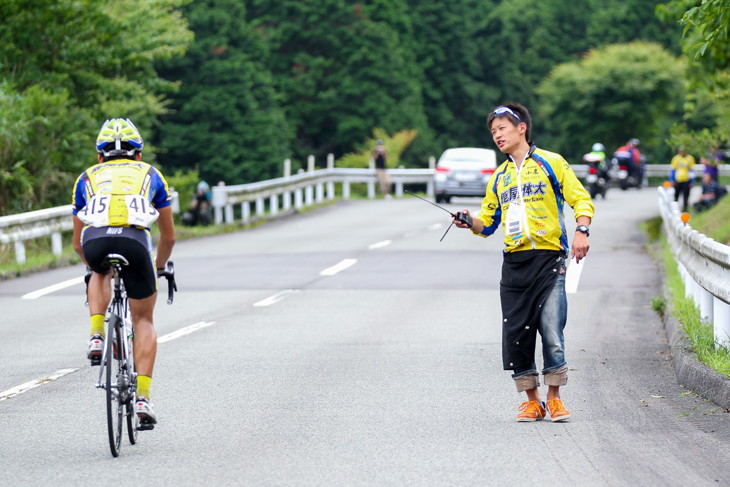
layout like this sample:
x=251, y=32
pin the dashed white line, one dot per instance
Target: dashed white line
x=341, y=266
x=379, y=245
x=34, y=383
x=52, y=289
x=185, y=331
x=273, y=299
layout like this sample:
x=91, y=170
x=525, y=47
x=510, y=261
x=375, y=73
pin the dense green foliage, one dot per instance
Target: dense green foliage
x=580, y=97
x=66, y=66
x=341, y=70
x=706, y=46
x=231, y=88
x=226, y=119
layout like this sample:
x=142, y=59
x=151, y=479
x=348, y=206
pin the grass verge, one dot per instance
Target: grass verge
x=699, y=333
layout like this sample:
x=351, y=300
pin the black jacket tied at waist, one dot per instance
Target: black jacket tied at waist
x=527, y=279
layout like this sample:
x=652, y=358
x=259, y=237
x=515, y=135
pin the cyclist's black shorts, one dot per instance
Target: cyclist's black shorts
x=140, y=278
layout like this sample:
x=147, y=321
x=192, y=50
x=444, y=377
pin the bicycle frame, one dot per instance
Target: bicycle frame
x=119, y=311
x=118, y=368
x=118, y=375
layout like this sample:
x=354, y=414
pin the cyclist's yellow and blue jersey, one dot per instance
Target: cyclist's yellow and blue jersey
x=528, y=203
x=120, y=193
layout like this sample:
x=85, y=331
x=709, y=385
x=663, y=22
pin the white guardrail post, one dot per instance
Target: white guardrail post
x=704, y=265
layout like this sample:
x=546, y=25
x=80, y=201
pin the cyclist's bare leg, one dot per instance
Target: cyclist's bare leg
x=145, y=337
x=100, y=293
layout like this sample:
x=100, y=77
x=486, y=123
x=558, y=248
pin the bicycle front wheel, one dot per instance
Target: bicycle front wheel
x=114, y=403
x=132, y=419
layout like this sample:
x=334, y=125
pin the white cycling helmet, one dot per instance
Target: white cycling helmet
x=119, y=137
x=598, y=147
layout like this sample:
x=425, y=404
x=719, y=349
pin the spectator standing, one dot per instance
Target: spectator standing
x=380, y=156
x=682, y=175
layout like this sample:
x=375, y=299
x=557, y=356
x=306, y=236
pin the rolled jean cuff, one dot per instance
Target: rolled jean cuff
x=525, y=382
x=556, y=377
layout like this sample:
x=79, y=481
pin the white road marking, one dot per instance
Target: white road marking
x=572, y=275
x=435, y=226
x=185, y=331
x=275, y=298
x=379, y=245
x=331, y=271
x=52, y=289
x=34, y=383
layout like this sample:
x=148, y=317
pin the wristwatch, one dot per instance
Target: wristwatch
x=583, y=229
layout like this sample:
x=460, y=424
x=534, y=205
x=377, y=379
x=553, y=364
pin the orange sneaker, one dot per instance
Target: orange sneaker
x=557, y=410
x=530, y=411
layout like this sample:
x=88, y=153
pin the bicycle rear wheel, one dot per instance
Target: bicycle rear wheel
x=114, y=405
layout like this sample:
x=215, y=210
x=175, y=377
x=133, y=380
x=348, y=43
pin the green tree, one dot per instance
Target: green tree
x=340, y=72
x=612, y=94
x=66, y=66
x=706, y=47
x=458, y=87
x=484, y=53
x=226, y=119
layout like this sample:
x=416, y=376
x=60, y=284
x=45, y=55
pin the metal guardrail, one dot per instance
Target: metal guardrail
x=704, y=265
x=299, y=190
x=272, y=196
x=306, y=189
x=16, y=229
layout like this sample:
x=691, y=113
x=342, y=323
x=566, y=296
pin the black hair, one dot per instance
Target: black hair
x=522, y=115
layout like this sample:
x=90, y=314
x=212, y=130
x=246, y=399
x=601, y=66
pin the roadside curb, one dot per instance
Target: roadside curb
x=691, y=373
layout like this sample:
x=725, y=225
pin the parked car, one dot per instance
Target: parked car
x=463, y=171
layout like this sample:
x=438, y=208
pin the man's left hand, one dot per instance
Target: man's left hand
x=580, y=246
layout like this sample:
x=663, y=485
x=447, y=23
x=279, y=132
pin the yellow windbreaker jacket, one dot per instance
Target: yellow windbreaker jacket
x=529, y=203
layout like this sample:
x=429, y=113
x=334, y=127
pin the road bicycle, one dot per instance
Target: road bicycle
x=118, y=374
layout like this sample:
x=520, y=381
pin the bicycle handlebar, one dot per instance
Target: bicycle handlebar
x=169, y=274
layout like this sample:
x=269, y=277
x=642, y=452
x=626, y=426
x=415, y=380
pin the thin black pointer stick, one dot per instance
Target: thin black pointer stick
x=447, y=231
x=458, y=216
x=430, y=202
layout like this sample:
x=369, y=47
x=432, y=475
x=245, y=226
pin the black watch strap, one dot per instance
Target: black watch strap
x=583, y=229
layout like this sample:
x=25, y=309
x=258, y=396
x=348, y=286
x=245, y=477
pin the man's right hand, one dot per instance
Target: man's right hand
x=460, y=223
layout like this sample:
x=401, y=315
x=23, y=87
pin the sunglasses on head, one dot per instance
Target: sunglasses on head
x=503, y=110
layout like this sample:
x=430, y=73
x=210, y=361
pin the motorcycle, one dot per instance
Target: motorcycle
x=598, y=178
x=628, y=175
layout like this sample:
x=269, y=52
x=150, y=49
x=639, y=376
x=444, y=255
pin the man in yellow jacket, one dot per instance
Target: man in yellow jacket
x=682, y=176
x=525, y=196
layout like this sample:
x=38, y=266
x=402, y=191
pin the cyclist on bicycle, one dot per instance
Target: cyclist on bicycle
x=115, y=203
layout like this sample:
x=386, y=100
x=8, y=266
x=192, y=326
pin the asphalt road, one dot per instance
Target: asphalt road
x=348, y=346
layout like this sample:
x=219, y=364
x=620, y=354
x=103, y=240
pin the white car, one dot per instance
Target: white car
x=463, y=171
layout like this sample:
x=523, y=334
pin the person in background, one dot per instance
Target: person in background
x=682, y=175
x=632, y=159
x=200, y=210
x=712, y=191
x=710, y=163
x=380, y=156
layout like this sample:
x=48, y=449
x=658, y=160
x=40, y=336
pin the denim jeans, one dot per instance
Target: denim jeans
x=552, y=323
